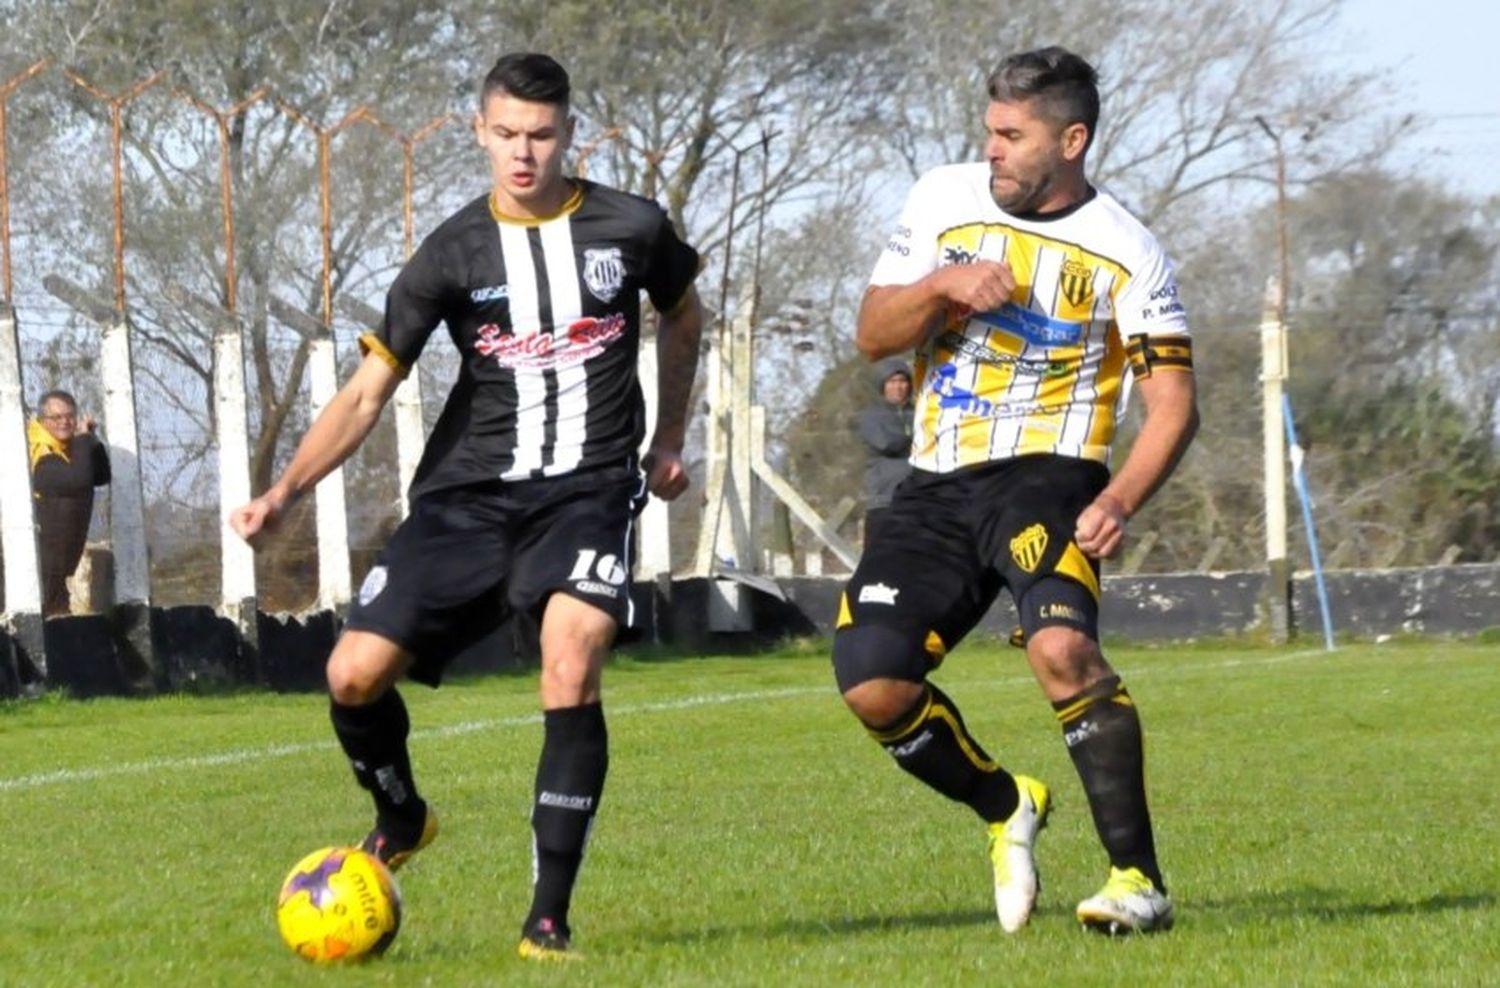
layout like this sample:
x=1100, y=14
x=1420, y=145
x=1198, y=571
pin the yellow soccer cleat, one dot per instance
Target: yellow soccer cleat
x=393, y=852
x=1128, y=903
x=1011, y=845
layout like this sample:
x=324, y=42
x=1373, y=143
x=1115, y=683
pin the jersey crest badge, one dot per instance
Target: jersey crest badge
x=1027, y=548
x=1077, y=282
x=603, y=272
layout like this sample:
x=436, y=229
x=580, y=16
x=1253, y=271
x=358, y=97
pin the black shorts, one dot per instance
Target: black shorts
x=465, y=559
x=949, y=542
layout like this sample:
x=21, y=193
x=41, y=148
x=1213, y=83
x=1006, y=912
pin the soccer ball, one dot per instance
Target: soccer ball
x=338, y=904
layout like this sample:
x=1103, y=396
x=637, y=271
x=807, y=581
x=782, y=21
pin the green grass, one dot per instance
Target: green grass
x=1322, y=818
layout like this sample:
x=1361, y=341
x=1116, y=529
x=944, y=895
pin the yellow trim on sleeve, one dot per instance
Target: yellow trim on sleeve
x=370, y=343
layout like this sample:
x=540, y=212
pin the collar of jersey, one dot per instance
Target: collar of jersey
x=573, y=202
x=1058, y=214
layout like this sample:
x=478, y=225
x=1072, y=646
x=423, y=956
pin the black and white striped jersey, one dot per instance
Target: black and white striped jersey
x=546, y=316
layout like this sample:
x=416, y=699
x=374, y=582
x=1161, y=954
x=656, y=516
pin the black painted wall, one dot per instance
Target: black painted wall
x=197, y=650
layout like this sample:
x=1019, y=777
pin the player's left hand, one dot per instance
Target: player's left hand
x=1100, y=530
x=666, y=477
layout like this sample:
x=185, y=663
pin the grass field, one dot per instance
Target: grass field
x=1324, y=819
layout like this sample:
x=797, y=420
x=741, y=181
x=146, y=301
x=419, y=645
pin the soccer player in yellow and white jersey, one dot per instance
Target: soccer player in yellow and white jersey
x=1026, y=294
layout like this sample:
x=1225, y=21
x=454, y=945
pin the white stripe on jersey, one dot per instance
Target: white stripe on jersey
x=531, y=383
x=1077, y=429
x=572, y=380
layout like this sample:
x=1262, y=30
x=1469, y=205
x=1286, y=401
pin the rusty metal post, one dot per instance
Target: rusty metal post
x=226, y=184
x=325, y=137
x=581, y=158
x=410, y=435
x=116, y=106
x=6, y=89
x=409, y=144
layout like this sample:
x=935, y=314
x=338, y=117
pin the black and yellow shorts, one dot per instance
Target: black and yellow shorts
x=950, y=542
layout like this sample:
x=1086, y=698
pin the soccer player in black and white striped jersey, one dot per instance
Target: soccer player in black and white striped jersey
x=526, y=493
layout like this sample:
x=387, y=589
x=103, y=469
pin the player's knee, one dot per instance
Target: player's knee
x=880, y=703
x=362, y=667
x=1065, y=660
x=879, y=671
x=350, y=685
x=569, y=679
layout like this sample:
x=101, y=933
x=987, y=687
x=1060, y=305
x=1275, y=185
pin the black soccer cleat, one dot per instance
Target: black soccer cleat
x=392, y=849
x=547, y=942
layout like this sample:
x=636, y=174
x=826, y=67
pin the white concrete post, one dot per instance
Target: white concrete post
x=1273, y=364
x=654, y=541
x=411, y=432
x=333, y=522
x=741, y=371
x=127, y=512
x=783, y=489
x=411, y=435
x=716, y=448
x=237, y=560
x=23, y=585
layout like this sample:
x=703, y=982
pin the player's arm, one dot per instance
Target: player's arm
x=676, y=366
x=897, y=318
x=339, y=429
x=1170, y=422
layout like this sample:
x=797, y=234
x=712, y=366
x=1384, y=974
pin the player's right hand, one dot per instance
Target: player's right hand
x=251, y=521
x=982, y=286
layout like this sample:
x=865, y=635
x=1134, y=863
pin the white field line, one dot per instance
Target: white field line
x=243, y=756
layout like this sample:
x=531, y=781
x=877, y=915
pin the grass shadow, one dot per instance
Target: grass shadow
x=811, y=927
x=1336, y=905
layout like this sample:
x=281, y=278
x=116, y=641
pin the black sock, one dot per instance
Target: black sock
x=374, y=738
x=932, y=743
x=569, y=784
x=1103, y=734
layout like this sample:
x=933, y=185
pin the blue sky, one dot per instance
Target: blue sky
x=1442, y=59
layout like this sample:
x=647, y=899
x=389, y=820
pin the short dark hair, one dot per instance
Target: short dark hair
x=1064, y=86
x=56, y=395
x=530, y=76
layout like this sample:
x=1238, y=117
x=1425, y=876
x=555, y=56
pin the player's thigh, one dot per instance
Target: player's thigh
x=1028, y=539
x=435, y=587
x=918, y=590
x=577, y=540
x=575, y=639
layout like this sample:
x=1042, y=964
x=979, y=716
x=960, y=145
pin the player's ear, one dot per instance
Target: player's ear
x=479, y=127
x=567, y=132
x=1075, y=139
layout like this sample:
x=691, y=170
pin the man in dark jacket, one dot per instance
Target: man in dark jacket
x=885, y=426
x=67, y=462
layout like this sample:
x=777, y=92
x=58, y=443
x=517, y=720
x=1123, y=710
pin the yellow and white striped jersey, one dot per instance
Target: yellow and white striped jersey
x=1043, y=373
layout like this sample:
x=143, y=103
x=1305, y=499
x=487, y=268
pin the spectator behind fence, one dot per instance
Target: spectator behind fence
x=885, y=428
x=67, y=462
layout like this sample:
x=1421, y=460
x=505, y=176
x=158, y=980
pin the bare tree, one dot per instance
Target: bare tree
x=1181, y=87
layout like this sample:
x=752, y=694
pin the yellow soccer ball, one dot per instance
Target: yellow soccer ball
x=338, y=904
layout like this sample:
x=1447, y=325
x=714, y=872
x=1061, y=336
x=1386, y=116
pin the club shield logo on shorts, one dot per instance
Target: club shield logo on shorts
x=374, y=583
x=1027, y=548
